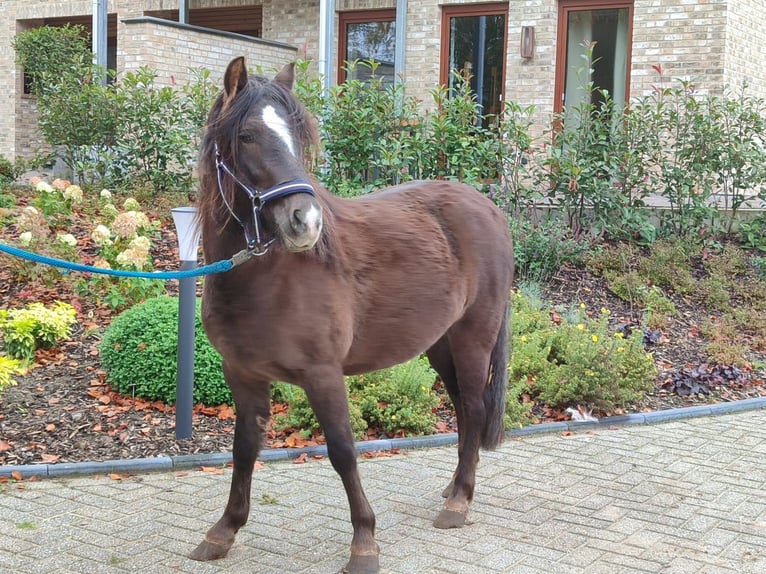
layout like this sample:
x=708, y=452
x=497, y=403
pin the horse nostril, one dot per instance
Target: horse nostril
x=299, y=221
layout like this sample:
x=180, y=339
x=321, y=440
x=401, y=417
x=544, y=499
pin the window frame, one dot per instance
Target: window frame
x=567, y=6
x=357, y=17
x=468, y=10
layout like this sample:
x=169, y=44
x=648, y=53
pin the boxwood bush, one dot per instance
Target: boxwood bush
x=139, y=352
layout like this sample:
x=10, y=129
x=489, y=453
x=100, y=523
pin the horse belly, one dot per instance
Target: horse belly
x=392, y=335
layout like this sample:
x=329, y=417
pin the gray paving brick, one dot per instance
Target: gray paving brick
x=674, y=497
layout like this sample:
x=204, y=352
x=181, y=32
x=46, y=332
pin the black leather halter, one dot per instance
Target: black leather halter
x=256, y=241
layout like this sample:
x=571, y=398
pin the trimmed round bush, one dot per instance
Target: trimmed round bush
x=139, y=352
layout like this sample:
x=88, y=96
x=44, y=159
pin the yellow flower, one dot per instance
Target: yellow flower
x=594, y=338
x=619, y=335
x=582, y=305
x=523, y=338
x=581, y=327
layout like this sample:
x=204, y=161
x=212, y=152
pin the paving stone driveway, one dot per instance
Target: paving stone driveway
x=683, y=496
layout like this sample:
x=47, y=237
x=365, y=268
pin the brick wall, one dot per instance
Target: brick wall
x=176, y=48
x=745, y=55
x=685, y=37
x=712, y=42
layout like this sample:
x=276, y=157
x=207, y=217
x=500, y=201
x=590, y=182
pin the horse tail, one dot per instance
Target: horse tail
x=494, y=393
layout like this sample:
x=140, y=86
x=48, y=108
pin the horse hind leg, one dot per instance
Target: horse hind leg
x=440, y=357
x=253, y=410
x=481, y=395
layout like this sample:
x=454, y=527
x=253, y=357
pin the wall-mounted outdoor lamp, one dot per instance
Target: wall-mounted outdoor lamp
x=527, y=48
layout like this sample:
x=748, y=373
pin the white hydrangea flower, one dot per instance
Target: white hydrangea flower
x=66, y=239
x=73, y=193
x=140, y=242
x=26, y=238
x=131, y=205
x=30, y=210
x=132, y=258
x=101, y=235
x=142, y=221
x=105, y=194
x=102, y=263
x=44, y=187
x=109, y=210
x=124, y=225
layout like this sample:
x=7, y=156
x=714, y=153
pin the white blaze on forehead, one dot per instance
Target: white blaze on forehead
x=278, y=126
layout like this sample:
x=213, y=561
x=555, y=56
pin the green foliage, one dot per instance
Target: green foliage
x=589, y=172
x=34, y=327
x=374, y=135
x=48, y=52
x=759, y=264
x=668, y=265
x=139, y=352
x=8, y=368
x=540, y=249
x=577, y=362
x=300, y=415
x=399, y=399
x=156, y=137
x=752, y=234
x=127, y=131
x=9, y=172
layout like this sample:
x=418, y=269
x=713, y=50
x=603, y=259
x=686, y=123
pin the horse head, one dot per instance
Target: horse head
x=257, y=134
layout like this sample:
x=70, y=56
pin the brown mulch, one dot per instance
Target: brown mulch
x=63, y=410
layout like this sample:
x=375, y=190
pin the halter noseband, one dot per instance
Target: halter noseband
x=256, y=243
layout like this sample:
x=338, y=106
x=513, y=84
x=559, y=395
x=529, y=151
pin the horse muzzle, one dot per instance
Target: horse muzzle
x=304, y=229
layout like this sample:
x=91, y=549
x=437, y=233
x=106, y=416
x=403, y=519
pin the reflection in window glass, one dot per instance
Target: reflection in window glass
x=476, y=49
x=371, y=41
x=609, y=30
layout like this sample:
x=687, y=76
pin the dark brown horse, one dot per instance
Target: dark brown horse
x=340, y=287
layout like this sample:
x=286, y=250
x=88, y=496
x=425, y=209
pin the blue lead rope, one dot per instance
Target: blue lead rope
x=217, y=267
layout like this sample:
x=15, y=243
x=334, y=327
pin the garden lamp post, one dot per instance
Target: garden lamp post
x=188, y=240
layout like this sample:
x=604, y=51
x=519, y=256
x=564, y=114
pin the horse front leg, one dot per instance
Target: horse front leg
x=328, y=398
x=253, y=404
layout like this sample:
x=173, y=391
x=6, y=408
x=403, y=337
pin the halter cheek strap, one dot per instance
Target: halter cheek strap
x=256, y=241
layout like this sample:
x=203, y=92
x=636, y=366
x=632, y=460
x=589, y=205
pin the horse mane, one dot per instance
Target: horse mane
x=224, y=123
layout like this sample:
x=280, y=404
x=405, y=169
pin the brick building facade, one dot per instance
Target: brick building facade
x=714, y=43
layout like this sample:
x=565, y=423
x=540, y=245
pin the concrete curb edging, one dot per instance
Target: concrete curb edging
x=166, y=463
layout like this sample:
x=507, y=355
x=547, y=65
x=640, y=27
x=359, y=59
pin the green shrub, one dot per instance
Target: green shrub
x=577, y=362
x=668, y=264
x=399, y=399
x=139, y=352
x=540, y=249
x=35, y=327
x=300, y=415
x=8, y=368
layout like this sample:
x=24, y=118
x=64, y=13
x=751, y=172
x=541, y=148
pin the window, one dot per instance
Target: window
x=609, y=25
x=368, y=35
x=473, y=45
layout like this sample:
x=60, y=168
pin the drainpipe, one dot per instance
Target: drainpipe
x=401, y=39
x=326, y=41
x=99, y=38
x=183, y=11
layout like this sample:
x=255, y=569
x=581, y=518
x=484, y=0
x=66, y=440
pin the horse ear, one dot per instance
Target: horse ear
x=235, y=78
x=286, y=76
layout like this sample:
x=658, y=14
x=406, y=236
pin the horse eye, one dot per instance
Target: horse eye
x=247, y=138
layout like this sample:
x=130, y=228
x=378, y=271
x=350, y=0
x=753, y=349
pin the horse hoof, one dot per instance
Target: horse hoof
x=209, y=551
x=362, y=564
x=449, y=519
